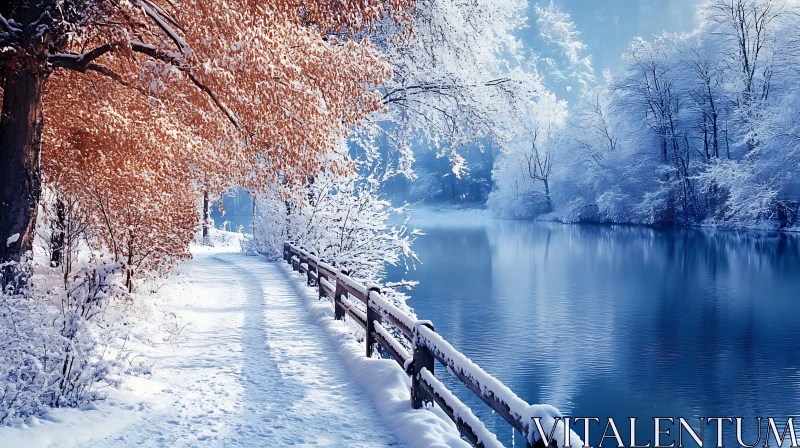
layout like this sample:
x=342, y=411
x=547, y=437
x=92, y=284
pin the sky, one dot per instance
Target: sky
x=608, y=26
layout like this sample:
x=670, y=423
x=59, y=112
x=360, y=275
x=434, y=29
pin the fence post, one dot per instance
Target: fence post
x=320, y=290
x=337, y=298
x=309, y=279
x=295, y=265
x=300, y=261
x=423, y=359
x=372, y=316
x=286, y=252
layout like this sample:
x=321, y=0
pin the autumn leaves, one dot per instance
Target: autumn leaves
x=232, y=93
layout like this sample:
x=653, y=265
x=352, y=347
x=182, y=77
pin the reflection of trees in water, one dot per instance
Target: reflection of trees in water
x=701, y=249
x=565, y=338
x=678, y=322
x=451, y=264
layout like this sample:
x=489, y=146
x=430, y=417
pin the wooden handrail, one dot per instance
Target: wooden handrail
x=427, y=347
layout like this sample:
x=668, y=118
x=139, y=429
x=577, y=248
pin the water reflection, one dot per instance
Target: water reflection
x=620, y=321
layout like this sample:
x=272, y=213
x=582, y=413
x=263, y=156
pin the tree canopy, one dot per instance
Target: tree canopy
x=201, y=94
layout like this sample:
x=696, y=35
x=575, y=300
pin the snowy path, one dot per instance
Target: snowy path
x=253, y=369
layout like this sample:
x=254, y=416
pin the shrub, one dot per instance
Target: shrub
x=48, y=352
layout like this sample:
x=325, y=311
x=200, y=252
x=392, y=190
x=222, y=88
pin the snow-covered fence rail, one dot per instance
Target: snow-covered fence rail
x=428, y=347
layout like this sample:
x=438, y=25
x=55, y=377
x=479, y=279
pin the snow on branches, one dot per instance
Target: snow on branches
x=129, y=173
x=140, y=106
x=49, y=346
x=342, y=220
x=696, y=128
x=263, y=89
x=457, y=80
x=249, y=95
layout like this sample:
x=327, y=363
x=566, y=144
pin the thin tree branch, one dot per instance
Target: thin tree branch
x=178, y=62
x=149, y=9
x=115, y=76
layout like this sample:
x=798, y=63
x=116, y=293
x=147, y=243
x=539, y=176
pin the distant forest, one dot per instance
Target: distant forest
x=695, y=128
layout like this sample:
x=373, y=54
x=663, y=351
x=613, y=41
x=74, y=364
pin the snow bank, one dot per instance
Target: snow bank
x=390, y=387
x=462, y=411
x=70, y=427
x=491, y=386
x=383, y=379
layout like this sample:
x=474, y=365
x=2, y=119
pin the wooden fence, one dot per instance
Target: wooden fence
x=428, y=347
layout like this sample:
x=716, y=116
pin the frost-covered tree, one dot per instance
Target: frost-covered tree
x=140, y=105
x=564, y=55
x=458, y=81
x=283, y=80
x=340, y=218
x=695, y=128
x=523, y=173
x=760, y=43
x=651, y=90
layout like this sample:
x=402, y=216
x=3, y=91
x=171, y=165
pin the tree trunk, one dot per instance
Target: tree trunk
x=547, y=195
x=129, y=276
x=705, y=136
x=20, y=146
x=206, y=240
x=253, y=220
x=58, y=227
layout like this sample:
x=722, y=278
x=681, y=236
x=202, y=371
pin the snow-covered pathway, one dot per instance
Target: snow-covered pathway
x=253, y=369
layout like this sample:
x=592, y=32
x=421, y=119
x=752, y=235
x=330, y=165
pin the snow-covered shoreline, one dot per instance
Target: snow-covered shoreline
x=458, y=216
x=760, y=227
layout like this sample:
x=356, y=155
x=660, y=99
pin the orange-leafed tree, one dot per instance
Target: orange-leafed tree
x=252, y=90
x=128, y=173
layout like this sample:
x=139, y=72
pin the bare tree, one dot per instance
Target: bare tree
x=540, y=166
x=749, y=22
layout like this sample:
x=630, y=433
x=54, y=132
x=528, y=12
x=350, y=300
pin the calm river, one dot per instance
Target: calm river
x=618, y=321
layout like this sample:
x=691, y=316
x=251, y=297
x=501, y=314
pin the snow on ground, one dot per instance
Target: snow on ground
x=249, y=367
x=382, y=378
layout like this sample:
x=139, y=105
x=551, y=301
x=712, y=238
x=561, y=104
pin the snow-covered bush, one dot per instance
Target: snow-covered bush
x=580, y=210
x=525, y=204
x=92, y=288
x=49, y=352
x=270, y=225
x=748, y=199
x=341, y=219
